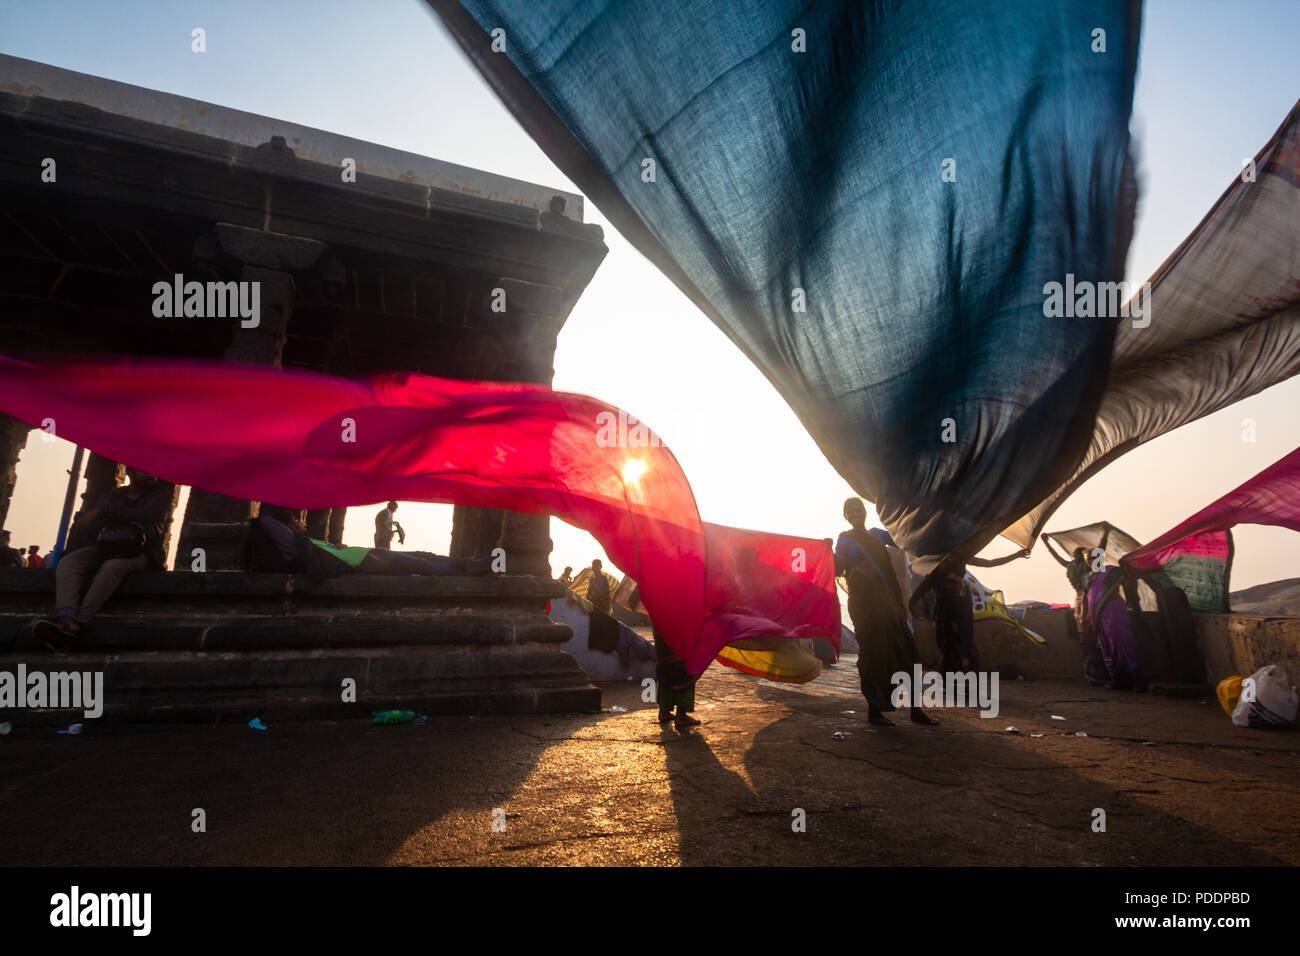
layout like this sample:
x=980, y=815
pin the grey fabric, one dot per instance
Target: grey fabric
x=1225, y=321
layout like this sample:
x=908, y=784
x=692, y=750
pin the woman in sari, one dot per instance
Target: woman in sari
x=878, y=614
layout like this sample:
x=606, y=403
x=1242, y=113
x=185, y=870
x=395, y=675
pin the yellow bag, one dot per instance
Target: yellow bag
x=1229, y=692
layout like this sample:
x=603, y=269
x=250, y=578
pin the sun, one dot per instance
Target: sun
x=633, y=470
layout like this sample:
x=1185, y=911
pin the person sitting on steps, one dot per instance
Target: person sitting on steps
x=126, y=530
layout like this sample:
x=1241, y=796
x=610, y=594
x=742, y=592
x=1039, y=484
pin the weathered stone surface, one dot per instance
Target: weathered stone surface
x=1243, y=643
x=13, y=439
x=199, y=646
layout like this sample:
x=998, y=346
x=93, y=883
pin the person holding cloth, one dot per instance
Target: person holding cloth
x=386, y=526
x=879, y=616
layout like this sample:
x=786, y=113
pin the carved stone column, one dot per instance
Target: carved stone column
x=318, y=523
x=337, y=517
x=13, y=439
x=217, y=523
x=102, y=476
x=475, y=531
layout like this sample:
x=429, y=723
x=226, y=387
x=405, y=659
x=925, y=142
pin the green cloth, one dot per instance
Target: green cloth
x=1078, y=572
x=683, y=697
x=352, y=556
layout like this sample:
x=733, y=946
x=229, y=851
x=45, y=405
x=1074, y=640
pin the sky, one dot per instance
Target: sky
x=1215, y=79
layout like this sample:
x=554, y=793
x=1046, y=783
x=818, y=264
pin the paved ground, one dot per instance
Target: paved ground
x=614, y=789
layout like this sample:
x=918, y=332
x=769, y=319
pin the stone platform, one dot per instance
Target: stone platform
x=179, y=646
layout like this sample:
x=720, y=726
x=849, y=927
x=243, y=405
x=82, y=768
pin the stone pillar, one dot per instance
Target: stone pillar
x=318, y=524
x=171, y=523
x=526, y=539
x=475, y=531
x=336, y=526
x=102, y=476
x=217, y=523
x=527, y=543
x=13, y=439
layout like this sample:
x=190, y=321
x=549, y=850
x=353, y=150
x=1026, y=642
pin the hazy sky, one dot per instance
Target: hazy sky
x=1216, y=78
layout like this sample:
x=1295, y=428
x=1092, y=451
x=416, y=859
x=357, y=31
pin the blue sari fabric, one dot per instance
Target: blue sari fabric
x=801, y=156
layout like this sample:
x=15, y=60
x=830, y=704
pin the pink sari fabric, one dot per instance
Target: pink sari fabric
x=305, y=440
x=1272, y=497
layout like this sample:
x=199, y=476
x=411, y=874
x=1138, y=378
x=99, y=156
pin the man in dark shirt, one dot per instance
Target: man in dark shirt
x=598, y=588
x=144, y=503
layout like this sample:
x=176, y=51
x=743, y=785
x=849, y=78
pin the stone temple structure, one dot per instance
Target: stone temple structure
x=369, y=259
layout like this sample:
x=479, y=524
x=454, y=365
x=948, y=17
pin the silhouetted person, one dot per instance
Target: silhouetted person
x=9, y=557
x=885, y=645
x=674, y=687
x=1079, y=573
x=34, y=559
x=386, y=526
x=954, y=623
x=127, y=530
x=598, y=588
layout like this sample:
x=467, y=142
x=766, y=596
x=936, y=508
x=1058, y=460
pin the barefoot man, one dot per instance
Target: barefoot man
x=878, y=613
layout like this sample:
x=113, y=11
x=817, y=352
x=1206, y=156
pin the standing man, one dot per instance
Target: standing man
x=34, y=559
x=954, y=623
x=386, y=526
x=885, y=645
x=598, y=589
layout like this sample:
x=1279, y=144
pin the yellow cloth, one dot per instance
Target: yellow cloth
x=1229, y=692
x=786, y=661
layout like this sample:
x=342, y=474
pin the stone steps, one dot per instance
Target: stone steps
x=232, y=646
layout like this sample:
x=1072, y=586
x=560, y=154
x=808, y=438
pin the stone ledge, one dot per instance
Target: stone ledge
x=112, y=632
x=257, y=584
x=155, y=685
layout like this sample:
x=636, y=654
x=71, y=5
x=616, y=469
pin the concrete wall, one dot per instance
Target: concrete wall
x=1243, y=643
x=1231, y=644
x=1004, y=649
x=633, y=660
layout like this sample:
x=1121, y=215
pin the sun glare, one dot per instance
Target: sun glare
x=633, y=470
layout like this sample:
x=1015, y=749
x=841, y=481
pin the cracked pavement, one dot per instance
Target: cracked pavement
x=1180, y=786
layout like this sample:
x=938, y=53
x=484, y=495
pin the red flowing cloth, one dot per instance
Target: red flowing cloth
x=309, y=441
x=1272, y=497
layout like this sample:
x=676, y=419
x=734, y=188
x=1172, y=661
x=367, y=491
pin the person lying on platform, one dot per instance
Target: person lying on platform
x=283, y=547
x=384, y=561
x=126, y=529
